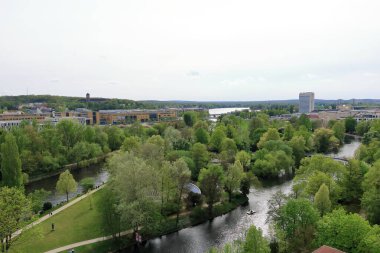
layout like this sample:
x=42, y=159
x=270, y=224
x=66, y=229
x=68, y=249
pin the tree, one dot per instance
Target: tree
x=255, y=242
x=211, y=183
x=350, y=125
x=352, y=181
x=115, y=137
x=88, y=183
x=339, y=130
x=298, y=144
x=132, y=143
x=189, y=118
x=370, y=242
x=37, y=199
x=322, y=139
x=288, y=132
x=10, y=163
x=304, y=120
x=371, y=195
x=233, y=178
x=322, y=199
x=244, y=158
x=181, y=176
x=135, y=184
x=296, y=221
x=217, y=138
x=341, y=230
x=271, y=135
x=200, y=157
x=362, y=128
x=14, y=208
x=277, y=200
x=202, y=136
x=66, y=184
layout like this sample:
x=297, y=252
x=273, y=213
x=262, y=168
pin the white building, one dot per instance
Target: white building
x=306, y=102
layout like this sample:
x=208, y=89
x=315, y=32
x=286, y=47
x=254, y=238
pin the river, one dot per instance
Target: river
x=231, y=226
x=199, y=238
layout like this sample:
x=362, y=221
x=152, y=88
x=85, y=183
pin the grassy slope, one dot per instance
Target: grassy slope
x=76, y=223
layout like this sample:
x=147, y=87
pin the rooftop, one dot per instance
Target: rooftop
x=327, y=249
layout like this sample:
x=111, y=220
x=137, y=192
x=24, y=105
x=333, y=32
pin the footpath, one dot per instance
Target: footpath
x=47, y=216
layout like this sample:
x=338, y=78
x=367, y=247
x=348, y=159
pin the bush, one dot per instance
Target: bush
x=198, y=215
x=47, y=206
x=87, y=183
x=169, y=208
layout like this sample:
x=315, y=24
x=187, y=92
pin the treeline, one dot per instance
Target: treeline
x=41, y=150
x=318, y=211
x=60, y=103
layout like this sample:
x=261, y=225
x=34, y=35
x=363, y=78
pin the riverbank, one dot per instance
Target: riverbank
x=83, y=221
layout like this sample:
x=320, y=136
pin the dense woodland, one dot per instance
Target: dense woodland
x=152, y=166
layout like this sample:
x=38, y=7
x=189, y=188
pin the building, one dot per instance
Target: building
x=117, y=117
x=327, y=249
x=87, y=97
x=306, y=102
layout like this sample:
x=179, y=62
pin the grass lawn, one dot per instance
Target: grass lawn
x=74, y=224
x=101, y=247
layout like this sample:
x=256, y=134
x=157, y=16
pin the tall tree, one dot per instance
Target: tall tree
x=233, y=178
x=341, y=230
x=350, y=124
x=11, y=163
x=14, y=207
x=322, y=200
x=66, y=184
x=371, y=195
x=200, y=157
x=296, y=221
x=189, y=118
x=181, y=176
x=211, y=183
x=255, y=242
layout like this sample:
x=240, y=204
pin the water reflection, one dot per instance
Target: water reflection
x=97, y=172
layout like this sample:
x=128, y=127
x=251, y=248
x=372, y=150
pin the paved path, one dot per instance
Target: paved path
x=78, y=244
x=43, y=218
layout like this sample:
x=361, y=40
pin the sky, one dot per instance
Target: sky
x=191, y=50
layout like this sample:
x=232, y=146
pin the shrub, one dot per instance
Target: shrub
x=47, y=206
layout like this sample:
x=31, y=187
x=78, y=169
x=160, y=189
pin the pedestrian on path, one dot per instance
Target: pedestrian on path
x=52, y=227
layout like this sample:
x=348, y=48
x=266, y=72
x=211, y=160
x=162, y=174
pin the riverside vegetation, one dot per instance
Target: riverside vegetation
x=149, y=175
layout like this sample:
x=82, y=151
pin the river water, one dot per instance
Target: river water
x=215, y=233
x=231, y=226
x=97, y=172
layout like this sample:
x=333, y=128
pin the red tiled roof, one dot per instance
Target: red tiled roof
x=327, y=249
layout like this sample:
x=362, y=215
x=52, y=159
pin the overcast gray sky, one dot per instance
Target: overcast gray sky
x=191, y=50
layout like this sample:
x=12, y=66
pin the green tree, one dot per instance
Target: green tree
x=244, y=158
x=202, y=136
x=304, y=120
x=288, y=132
x=87, y=183
x=233, y=178
x=37, y=198
x=350, y=125
x=66, y=184
x=217, y=138
x=322, y=200
x=352, y=181
x=132, y=143
x=181, y=177
x=189, y=118
x=14, y=208
x=362, y=128
x=341, y=230
x=371, y=195
x=322, y=140
x=371, y=242
x=255, y=242
x=211, y=182
x=115, y=137
x=298, y=144
x=271, y=135
x=296, y=221
x=10, y=163
x=200, y=157
x=135, y=184
x=339, y=130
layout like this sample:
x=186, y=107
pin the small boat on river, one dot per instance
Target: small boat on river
x=250, y=212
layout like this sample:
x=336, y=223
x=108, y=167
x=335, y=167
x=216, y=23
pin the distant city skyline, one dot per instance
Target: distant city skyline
x=191, y=50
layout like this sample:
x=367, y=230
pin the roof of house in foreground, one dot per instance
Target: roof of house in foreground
x=327, y=249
